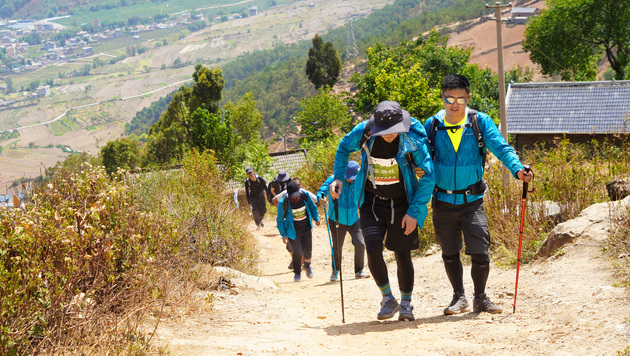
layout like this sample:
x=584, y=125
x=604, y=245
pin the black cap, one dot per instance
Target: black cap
x=390, y=118
x=292, y=190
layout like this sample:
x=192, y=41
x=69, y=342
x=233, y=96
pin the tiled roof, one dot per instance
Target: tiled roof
x=290, y=161
x=569, y=107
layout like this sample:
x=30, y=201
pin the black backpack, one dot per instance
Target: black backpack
x=472, y=122
x=269, y=193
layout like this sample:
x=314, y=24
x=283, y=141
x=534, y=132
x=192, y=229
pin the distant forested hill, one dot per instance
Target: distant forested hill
x=276, y=76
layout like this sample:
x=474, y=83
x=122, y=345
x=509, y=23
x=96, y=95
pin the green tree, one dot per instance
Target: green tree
x=247, y=120
x=169, y=136
x=9, y=83
x=323, y=65
x=323, y=114
x=571, y=36
x=207, y=90
x=122, y=153
x=210, y=131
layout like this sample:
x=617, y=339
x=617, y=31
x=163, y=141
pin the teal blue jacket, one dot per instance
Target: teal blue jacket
x=285, y=221
x=413, y=142
x=458, y=170
x=348, y=210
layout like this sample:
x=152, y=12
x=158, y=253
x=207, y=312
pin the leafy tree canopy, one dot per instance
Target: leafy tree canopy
x=122, y=153
x=323, y=65
x=322, y=114
x=247, y=120
x=571, y=36
x=411, y=74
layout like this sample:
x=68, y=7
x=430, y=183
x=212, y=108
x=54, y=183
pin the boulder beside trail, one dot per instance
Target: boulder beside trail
x=242, y=280
x=593, y=222
x=618, y=189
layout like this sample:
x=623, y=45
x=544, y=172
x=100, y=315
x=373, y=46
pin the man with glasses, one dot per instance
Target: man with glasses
x=458, y=157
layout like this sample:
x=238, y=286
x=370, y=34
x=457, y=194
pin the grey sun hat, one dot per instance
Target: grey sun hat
x=390, y=118
x=282, y=176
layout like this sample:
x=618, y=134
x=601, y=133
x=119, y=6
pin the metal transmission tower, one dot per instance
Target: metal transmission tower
x=351, y=42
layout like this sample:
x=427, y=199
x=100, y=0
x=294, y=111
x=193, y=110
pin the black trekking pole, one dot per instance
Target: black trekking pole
x=332, y=250
x=520, y=238
x=336, y=207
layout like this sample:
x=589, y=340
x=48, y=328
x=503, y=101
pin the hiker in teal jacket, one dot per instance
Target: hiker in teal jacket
x=296, y=210
x=392, y=200
x=347, y=221
x=459, y=158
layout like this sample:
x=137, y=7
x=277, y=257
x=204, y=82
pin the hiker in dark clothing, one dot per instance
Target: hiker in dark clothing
x=459, y=157
x=296, y=211
x=392, y=200
x=278, y=185
x=348, y=220
x=255, y=187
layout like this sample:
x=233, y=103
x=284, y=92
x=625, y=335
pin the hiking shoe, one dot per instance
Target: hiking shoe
x=333, y=277
x=388, y=309
x=361, y=274
x=291, y=265
x=406, y=311
x=257, y=228
x=459, y=304
x=262, y=224
x=309, y=271
x=297, y=278
x=483, y=304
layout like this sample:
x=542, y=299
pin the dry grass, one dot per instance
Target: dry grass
x=92, y=265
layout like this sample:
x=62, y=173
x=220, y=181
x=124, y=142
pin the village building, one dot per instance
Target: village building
x=542, y=113
x=520, y=15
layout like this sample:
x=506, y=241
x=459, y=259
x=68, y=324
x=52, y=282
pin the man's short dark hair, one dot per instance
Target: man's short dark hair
x=455, y=81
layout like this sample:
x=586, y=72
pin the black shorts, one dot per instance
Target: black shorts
x=375, y=218
x=450, y=221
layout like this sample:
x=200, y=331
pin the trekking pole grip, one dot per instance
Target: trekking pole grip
x=527, y=169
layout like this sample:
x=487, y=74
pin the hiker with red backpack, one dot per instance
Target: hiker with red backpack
x=296, y=211
x=255, y=188
x=391, y=198
x=458, y=139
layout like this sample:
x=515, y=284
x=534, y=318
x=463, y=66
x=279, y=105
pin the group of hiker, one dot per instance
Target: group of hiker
x=383, y=202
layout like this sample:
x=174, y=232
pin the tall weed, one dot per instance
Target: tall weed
x=572, y=175
x=619, y=245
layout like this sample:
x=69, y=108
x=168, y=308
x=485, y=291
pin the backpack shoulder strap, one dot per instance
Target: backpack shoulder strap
x=474, y=124
x=367, y=133
x=431, y=135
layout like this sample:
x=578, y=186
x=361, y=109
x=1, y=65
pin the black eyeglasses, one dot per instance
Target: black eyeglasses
x=452, y=100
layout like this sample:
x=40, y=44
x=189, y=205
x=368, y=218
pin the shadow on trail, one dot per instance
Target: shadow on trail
x=393, y=324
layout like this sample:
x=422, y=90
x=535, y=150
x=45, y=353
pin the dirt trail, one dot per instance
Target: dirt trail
x=566, y=305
